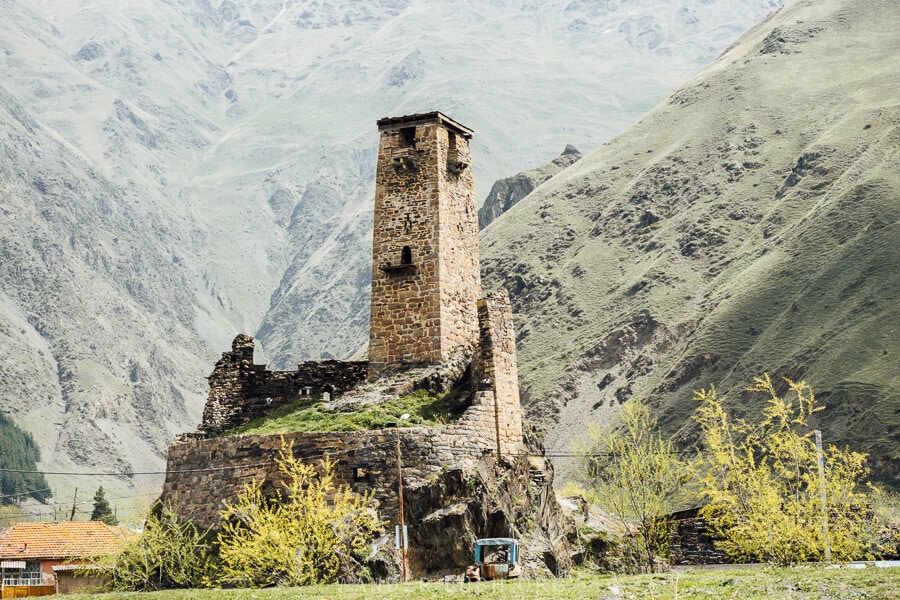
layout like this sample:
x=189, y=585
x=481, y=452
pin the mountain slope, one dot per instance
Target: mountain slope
x=526, y=76
x=95, y=311
x=747, y=224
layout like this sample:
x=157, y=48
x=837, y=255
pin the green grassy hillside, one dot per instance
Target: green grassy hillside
x=747, y=224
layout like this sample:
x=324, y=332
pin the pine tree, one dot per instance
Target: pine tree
x=102, y=511
x=19, y=455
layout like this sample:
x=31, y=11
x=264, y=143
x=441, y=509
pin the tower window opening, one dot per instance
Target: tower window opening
x=408, y=137
x=406, y=256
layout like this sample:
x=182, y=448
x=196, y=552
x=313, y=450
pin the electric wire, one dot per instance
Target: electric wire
x=331, y=453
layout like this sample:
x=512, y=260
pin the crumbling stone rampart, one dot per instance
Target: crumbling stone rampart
x=204, y=473
x=240, y=391
x=495, y=368
x=692, y=542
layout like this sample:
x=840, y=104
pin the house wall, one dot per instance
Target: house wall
x=47, y=573
x=68, y=583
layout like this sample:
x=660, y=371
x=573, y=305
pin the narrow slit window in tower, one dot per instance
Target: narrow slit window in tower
x=406, y=256
x=408, y=137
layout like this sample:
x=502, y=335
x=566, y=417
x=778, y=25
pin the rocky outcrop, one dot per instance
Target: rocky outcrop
x=505, y=193
x=512, y=499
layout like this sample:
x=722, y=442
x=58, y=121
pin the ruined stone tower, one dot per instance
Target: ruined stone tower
x=425, y=267
x=427, y=311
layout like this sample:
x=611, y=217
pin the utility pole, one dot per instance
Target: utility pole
x=402, y=536
x=74, y=503
x=821, y=462
x=497, y=422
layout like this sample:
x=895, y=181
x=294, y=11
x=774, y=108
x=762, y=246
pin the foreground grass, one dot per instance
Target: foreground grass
x=769, y=584
x=305, y=415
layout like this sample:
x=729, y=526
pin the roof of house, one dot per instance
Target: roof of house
x=59, y=540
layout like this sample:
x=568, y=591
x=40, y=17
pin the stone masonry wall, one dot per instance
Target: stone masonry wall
x=202, y=474
x=458, y=235
x=423, y=303
x=691, y=542
x=495, y=368
x=240, y=391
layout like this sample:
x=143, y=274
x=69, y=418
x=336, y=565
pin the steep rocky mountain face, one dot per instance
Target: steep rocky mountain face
x=508, y=191
x=747, y=224
x=175, y=173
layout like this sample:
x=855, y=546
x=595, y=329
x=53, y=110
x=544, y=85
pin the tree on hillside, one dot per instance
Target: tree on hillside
x=764, y=485
x=18, y=455
x=102, y=510
x=315, y=532
x=169, y=553
x=637, y=477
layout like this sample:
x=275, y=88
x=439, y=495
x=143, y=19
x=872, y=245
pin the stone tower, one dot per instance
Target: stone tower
x=426, y=279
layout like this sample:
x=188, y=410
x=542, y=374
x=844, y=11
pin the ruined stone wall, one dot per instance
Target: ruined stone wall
x=203, y=473
x=240, y=391
x=495, y=368
x=425, y=271
x=692, y=543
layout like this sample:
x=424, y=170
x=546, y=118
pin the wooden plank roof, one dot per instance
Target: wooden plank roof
x=421, y=118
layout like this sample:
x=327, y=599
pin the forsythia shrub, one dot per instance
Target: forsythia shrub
x=169, y=553
x=763, y=482
x=316, y=533
x=637, y=477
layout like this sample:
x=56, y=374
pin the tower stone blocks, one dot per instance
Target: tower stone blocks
x=495, y=369
x=425, y=265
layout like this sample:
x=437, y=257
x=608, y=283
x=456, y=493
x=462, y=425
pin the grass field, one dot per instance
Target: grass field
x=769, y=584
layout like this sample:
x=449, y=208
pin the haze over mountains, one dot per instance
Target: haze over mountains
x=749, y=223
x=174, y=173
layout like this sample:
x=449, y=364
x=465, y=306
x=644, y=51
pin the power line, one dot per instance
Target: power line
x=132, y=473
x=693, y=451
x=26, y=493
x=179, y=471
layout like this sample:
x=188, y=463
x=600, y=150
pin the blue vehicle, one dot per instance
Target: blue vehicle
x=495, y=558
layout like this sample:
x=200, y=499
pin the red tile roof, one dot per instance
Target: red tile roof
x=59, y=540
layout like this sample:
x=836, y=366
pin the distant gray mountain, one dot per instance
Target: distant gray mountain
x=174, y=173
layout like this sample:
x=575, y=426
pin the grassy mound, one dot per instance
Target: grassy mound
x=303, y=415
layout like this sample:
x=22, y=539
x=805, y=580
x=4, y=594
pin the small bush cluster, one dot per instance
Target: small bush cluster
x=764, y=487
